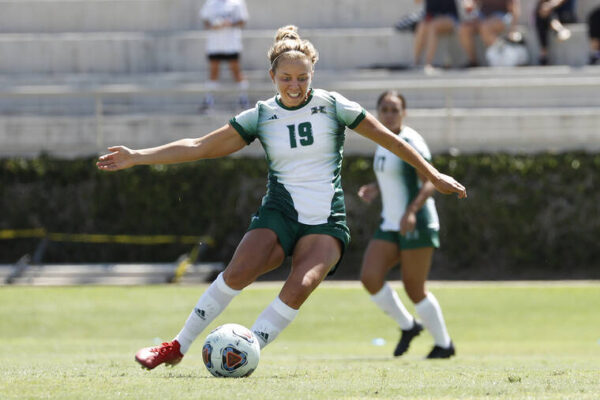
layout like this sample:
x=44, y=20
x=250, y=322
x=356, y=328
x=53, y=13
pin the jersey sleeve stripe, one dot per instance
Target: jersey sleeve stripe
x=245, y=135
x=358, y=119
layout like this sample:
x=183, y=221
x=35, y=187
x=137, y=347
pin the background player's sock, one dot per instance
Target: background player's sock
x=387, y=299
x=431, y=314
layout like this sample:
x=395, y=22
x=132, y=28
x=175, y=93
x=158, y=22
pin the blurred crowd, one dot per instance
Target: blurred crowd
x=496, y=24
x=488, y=32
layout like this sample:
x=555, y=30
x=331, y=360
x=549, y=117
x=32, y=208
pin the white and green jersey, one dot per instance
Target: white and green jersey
x=304, y=147
x=399, y=184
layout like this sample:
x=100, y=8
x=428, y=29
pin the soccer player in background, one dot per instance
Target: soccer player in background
x=408, y=233
x=302, y=215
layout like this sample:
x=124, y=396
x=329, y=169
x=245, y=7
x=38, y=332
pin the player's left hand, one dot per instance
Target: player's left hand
x=447, y=185
x=408, y=222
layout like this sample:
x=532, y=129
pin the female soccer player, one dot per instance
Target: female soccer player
x=302, y=214
x=408, y=233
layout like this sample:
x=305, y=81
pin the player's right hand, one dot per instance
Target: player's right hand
x=448, y=185
x=120, y=157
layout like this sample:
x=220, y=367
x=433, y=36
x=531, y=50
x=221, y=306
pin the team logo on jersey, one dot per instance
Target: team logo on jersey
x=319, y=109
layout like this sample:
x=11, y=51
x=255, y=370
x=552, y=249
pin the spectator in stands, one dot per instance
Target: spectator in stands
x=551, y=15
x=594, y=35
x=489, y=19
x=224, y=20
x=441, y=16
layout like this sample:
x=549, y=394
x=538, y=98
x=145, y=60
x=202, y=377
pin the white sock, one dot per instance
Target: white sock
x=243, y=94
x=212, y=302
x=274, y=319
x=387, y=299
x=209, y=98
x=431, y=314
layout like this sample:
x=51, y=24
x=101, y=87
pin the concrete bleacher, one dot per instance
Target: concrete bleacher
x=141, y=36
x=523, y=109
x=77, y=75
x=58, y=16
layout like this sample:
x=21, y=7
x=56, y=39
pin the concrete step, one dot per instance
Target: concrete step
x=109, y=274
x=183, y=51
x=181, y=94
x=52, y=16
x=468, y=130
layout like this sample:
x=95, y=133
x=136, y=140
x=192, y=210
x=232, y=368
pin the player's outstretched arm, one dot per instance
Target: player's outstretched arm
x=372, y=129
x=218, y=143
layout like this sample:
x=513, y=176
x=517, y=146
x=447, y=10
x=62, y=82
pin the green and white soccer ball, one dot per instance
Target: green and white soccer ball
x=231, y=351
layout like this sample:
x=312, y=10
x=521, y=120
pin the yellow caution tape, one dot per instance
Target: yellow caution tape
x=185, y=263
x=101, y=238
x=22, y=233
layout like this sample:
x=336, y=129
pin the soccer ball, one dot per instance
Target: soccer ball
x=231, y=351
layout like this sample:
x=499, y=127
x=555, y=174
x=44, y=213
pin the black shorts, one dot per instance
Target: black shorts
x=223, y=56
x=594, y=24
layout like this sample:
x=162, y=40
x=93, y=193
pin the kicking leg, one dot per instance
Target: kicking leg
x=258, y=252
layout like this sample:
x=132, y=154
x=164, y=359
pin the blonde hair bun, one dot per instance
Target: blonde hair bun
x=289, y=45
x=287, y=32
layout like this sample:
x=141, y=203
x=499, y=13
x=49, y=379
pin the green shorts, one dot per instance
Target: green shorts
x=289, y=231
x=413, y=240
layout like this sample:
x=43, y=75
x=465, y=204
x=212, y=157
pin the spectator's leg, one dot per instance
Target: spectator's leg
x=561, y=32
x=236, y=71
x=594, y=51
x=419, y=44
x=439, y=26
x=594, y=35
x=466, y=33
x=213, y=66
x=238, y=76
x=490, y=30
x=211, y=85
x=542, y=25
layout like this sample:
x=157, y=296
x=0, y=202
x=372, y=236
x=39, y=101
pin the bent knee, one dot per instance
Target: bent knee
x=372, y=281
x=239, y=277
x=415, y=294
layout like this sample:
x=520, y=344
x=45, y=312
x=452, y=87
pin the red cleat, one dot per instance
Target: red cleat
x=166, y=353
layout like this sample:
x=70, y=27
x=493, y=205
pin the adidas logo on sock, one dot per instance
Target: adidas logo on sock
x=200, y=313
x=273, y=117
x=264, y=336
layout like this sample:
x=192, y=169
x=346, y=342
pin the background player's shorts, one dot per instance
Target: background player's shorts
x=289, y=231
x=413, y=240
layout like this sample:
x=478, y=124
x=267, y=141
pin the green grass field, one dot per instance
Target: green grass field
x=524, y=341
